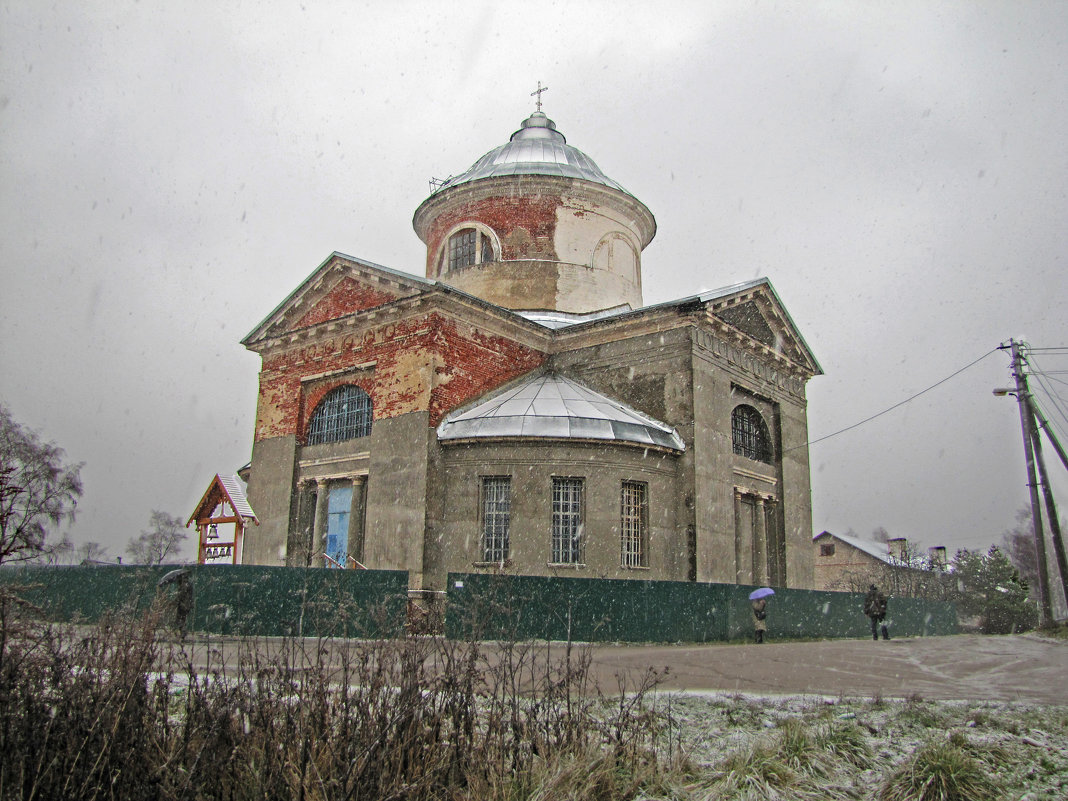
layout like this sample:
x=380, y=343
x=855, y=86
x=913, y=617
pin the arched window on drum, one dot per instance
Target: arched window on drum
x=467, y=246
x=345, y=413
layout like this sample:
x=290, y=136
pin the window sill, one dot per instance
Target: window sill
x=566, y=565
x=488, y=565
x=635, y=567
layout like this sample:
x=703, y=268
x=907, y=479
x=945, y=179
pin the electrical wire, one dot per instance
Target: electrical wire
x=1056, y=402
x=898, y=404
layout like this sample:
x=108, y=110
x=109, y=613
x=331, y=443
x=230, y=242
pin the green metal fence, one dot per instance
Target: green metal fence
x=309, y=602
x=605, y=610
x=226, y=599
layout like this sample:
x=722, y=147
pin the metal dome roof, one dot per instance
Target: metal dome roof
x=554, y=407
x=537, y=148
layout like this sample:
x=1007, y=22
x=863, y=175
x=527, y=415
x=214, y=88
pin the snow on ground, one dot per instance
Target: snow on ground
x=1024, y=746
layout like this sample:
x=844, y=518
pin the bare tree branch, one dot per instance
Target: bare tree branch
x=38, y=490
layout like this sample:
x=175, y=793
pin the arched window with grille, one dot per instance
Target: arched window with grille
x=750, y=434
x=345, y=413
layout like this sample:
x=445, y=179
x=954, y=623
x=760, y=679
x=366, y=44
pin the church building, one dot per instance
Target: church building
x=519, y=410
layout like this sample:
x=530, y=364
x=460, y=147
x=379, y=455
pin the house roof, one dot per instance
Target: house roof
x=879, y=550
x=548, y=405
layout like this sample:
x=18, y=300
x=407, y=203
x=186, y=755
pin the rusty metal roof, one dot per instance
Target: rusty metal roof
x=551, y=406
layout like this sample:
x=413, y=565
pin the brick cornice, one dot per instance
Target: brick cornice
x=440, y=300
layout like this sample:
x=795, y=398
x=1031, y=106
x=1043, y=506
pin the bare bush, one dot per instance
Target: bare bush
x=116, y=708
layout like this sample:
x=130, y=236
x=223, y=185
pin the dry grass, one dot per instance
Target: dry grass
x=941, y=771
x=116, y=711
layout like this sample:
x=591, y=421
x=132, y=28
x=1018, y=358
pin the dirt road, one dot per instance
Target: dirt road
x=965, y=667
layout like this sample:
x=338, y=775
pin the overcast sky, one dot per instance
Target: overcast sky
x=169, y=172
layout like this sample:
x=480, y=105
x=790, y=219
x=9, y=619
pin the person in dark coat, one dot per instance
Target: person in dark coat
x=760, y=615
x=875, y=609
x=183, y=605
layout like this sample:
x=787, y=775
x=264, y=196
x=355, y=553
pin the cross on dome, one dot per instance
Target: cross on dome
x=538, y=92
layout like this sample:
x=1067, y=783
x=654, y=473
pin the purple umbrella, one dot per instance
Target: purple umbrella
x=763, y=592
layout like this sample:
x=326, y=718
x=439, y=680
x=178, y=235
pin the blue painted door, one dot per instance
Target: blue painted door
x=339, y=504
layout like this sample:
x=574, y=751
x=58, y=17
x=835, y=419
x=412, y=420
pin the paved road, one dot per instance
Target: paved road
x=973, y=667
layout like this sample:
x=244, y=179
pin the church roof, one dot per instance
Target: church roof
x=537, y=148
x=745, y=318
x=548, y=405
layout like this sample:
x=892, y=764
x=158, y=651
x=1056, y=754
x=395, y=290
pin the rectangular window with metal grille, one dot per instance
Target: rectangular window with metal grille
x=634, y=522
x=567, y=521
x=496, y=517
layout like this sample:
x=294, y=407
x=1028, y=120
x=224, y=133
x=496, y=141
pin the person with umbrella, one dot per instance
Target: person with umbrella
x=759, y=599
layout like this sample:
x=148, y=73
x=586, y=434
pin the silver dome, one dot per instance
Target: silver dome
x=537, y=148
x=550, y=406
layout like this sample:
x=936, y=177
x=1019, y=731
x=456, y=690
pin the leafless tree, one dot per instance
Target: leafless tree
x=163, y=538
x=908, y=574
x=38, y=490
x=90, y=551
x=1018, y=544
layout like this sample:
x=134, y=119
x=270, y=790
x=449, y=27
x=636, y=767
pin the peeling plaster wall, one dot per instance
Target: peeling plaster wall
x=346, y=297
x=427, y=363
x=415, y=370
x=397, y=496
x=549, y=230
x=676, y=376
x=270, y=493
x=532, y=467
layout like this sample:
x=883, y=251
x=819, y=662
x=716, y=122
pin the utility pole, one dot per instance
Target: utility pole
x=1027, y=423
x=1047, y=492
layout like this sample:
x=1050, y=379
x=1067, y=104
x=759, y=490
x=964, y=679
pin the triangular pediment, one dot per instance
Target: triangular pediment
x=754, y=311
x=747, y=317
x=341, y=286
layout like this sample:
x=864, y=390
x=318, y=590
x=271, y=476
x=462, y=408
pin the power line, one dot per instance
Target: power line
x=900, y=403
x=1055, y=400
x=1055, y=380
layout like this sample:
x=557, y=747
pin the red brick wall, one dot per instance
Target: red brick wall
x=473, y=363
x=526, y=225
x=430, y=363
x=346, y=297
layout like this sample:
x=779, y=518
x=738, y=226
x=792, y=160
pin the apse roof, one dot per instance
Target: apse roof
x=551, y=406
x=537, y=148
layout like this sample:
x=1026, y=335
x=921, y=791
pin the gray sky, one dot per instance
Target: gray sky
x=169, y=172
